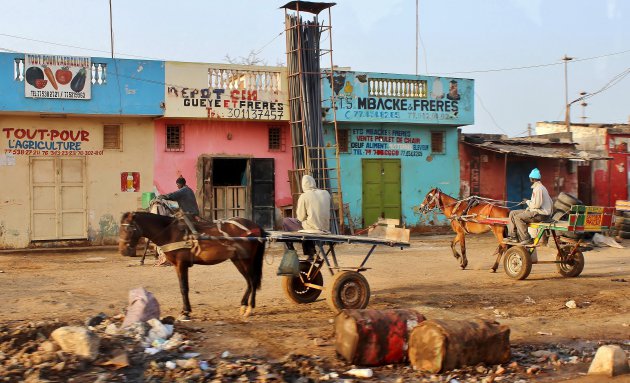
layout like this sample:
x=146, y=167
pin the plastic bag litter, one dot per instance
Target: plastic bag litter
x=601, y=240
x=142, y=307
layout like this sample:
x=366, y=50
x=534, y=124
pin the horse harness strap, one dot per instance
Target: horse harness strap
x=187, y=244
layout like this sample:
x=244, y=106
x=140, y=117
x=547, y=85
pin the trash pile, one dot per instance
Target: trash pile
x=142, y=347
x=160, y=351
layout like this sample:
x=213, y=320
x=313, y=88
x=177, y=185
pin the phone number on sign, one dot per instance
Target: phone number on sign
x=35, y=152
x=254, y=114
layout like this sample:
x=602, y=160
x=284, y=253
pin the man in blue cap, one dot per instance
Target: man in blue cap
x=539, y=208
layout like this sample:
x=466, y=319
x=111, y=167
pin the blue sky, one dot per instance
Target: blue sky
x=461, y=38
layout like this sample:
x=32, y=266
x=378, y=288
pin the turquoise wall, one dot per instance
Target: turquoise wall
x=400, y=98
x=133, y=87
x=420, y=170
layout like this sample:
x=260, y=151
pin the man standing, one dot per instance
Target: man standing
x=539, y=208
x=313, y=213
x=185, y=197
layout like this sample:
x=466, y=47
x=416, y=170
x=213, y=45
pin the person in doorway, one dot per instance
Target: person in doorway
x=185, y=197
x=313, y=214
x=539, y=208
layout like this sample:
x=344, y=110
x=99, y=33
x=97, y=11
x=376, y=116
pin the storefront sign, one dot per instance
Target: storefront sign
x=61, y=77
x=47, y=142
x=241, y=93
x=379, y=97
x=386, y=142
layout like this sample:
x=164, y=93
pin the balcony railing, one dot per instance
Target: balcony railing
x=389, y=87
x=240, y=77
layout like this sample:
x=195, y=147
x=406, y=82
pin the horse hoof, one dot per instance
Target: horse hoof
x=463, y=265
x=493, y=270
x=243, y=310
x=248, y=311
x=184, y=318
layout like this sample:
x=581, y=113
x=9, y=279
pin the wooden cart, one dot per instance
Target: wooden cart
x=348, y=289
x=517, y=259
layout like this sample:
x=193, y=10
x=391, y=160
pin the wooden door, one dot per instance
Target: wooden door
x=381, y=189
x=262, y=180
x=58, y=200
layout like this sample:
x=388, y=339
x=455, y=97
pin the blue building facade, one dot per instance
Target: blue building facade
x=398, y=139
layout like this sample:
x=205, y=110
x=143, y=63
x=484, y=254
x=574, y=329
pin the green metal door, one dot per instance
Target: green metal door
x=381, y=189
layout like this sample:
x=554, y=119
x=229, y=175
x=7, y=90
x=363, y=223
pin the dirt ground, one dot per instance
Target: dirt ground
x=425, y=277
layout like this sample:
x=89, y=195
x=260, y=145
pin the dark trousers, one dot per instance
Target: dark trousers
x=293, y=224
x=519, y=220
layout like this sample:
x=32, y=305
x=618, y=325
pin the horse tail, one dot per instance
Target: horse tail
x=256, y=271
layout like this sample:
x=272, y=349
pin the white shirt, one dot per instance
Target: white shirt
x=541, y=202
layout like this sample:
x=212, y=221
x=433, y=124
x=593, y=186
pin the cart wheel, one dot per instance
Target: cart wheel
x=571, y=267
x=348, y=290
x=295, y=290
x=517, y=262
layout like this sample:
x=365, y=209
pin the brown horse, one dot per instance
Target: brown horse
x=464, y=215
x=236, y=239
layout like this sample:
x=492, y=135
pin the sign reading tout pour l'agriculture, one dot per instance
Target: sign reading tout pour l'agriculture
x=64, y=77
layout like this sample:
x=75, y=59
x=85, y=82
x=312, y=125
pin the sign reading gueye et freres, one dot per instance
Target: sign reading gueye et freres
x=60, y=77
x=225, y=92
x=47, y=142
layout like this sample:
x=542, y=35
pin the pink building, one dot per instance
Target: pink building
x=226, y=131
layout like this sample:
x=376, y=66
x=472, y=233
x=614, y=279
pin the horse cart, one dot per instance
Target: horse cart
x=518, y=259
x=348, y=289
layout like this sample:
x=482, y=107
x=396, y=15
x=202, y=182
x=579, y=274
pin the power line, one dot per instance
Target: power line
x=490, y=114
x=111, y=52
x=531, y=66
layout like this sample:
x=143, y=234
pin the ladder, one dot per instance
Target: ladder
x=311, y=154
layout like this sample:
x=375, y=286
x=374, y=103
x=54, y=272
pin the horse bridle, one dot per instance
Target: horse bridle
x=131, y=228
x=435, y=201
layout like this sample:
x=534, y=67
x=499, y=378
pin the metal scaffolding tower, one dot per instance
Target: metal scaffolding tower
x=311, y=154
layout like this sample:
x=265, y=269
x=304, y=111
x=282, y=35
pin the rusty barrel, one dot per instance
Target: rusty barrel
x=443, y=345
x=374, y=337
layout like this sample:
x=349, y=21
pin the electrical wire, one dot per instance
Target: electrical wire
x=530, y=66
x=490, y=114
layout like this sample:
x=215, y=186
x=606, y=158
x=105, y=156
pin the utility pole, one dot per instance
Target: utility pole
x=417, y=34
x=111, y=28
x=567, y=114
x=529, y=130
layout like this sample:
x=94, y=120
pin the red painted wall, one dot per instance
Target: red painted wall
x=229, y=138
x=617, y=168
x=558, y=176
x=491, y=172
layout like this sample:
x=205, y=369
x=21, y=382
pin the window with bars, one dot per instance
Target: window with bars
x=342, y=134
x=174, y=138
x=111, y=137
x=438, y=143
x=276, y=139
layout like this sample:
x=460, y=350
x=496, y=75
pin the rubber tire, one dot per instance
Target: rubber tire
x=567, y=270
x=517, y=262
x=626, y=214
x=568, y=199
x=559, y=205
x=624, y=234
x=347, y=283
x=296, y=291
x=625, y=227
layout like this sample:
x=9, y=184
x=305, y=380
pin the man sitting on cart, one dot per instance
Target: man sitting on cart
x=313, y=214
x=539, y=208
